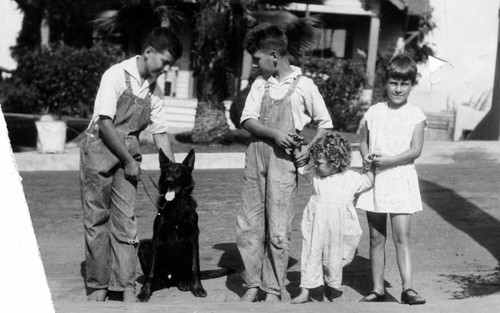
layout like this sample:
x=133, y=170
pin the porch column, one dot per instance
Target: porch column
x=372, y=49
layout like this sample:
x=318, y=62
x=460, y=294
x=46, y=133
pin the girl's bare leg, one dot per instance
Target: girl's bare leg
x=401, y=224
x=377, y=223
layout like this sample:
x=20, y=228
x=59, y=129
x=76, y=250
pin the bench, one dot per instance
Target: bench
x=440, y=126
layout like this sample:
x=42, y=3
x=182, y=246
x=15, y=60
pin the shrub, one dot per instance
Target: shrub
x=61, y=80
x=340, y=82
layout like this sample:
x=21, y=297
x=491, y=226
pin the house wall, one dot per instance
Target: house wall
x=465, y=39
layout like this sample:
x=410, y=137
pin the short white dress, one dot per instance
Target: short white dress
x=395, y=188
x=330, y=226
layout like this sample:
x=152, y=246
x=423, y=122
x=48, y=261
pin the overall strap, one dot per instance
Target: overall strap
x=152, y=87
x=294, y=85
x=127, y=81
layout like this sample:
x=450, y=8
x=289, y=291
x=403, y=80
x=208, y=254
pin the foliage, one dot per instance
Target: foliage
x=61, y=80
x=68, y=21
x=340, y=82
x=417, y=45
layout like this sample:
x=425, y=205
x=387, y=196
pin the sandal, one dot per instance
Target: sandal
x=377, y=297
x=410, y=299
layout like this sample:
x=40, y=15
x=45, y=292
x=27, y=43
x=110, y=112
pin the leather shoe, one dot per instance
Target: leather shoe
x=373, y=296
x=411, y=297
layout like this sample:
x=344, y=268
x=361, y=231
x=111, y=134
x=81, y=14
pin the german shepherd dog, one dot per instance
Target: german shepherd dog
x=172, y=257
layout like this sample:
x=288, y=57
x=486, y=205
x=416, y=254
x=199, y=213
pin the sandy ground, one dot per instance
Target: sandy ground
x=455, y=245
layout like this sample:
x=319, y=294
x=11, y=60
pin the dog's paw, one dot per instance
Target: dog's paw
x=184, y=286
x=199, y=292
x=145, y=294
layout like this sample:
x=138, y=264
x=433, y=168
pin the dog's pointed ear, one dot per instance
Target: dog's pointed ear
x=189, y=160
x=164, y=160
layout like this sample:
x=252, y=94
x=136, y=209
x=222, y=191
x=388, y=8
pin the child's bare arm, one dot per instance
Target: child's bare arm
x=408, y=156
x=370, y=174
x=363, y=148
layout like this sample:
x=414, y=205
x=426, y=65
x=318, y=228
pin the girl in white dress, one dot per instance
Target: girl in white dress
x=392, y=138
x=330, y=225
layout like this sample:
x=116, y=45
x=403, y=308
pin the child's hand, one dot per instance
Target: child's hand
x=284, y=139
x=301, y=156
x=382, y=161
x=367, y=162
x=132, y=171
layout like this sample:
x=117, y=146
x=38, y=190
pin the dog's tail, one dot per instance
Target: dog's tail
x=211, y=274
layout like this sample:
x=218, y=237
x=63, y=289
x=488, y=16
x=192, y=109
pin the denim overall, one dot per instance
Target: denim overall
x=108, y=199
x=264, y=221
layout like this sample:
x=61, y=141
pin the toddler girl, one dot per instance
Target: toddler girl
x=330, y=226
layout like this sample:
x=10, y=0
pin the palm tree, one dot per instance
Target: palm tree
x=220, y=28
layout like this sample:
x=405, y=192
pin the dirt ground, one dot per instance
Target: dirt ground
x=456, y=251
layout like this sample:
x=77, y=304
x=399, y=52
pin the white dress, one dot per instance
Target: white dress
x=330, y=226
x=395, y=188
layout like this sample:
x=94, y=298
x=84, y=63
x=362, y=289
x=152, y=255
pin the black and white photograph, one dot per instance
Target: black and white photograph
x=250, y=156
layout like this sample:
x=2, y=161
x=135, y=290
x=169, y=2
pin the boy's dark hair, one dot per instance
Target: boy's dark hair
x=336, y=149
x=161, y=39
x=266, y=36
x=401, y=67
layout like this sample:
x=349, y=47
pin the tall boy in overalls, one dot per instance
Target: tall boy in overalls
x=280, y=103
x=128, y=100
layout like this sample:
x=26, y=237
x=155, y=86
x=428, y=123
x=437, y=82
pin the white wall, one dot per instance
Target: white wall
x=466, y=39
x=10, y=25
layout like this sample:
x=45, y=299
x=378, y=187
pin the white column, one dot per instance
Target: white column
x=372, y=49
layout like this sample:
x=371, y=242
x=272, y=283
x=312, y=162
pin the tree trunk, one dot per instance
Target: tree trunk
x=210, y=124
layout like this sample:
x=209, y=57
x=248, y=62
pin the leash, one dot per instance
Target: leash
x=149, y=196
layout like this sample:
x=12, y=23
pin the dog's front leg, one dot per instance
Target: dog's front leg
x=147, y=288
x=198, y=290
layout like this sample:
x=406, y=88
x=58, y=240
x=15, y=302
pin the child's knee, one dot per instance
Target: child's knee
x=279, y=241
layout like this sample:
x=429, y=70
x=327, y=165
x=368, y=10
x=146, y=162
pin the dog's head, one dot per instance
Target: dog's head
x=176, y=177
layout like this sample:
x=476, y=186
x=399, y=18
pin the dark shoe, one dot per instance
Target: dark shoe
x=408, y=298
x=373, y=296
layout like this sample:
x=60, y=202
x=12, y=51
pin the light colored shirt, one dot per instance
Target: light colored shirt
x=113, y=85
x=307, y=103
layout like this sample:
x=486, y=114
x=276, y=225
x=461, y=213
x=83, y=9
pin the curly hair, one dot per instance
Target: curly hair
x=336, y=149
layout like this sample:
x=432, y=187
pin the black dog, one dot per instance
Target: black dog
x=172, y=256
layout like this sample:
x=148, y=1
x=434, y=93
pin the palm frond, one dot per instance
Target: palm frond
x=302, y=32
x=106, y=22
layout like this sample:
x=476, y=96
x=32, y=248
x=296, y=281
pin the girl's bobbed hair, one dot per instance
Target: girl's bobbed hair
x=336, y=149
x=401, y=67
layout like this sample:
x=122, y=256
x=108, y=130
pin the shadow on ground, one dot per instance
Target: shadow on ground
x=475, y=222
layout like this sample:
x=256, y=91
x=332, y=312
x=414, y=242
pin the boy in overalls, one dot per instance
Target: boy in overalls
x=128, y=100
x=280, y=103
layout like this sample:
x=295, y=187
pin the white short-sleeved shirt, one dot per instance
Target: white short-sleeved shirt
x=113, y=85
x=307, y=103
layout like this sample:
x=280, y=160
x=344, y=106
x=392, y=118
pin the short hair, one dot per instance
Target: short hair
x=266, y=36
x=335, y=148
x=402, y=67
x=161, y=39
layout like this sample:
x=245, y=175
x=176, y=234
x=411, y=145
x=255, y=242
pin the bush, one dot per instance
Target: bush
x=61, y=80
x=340, y=82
